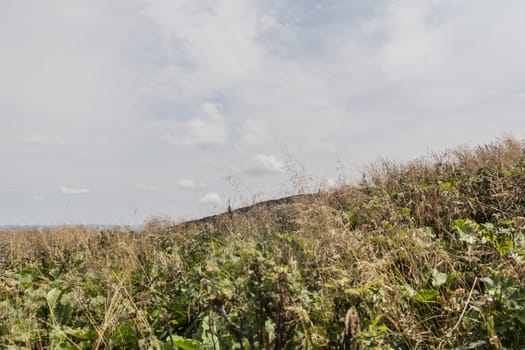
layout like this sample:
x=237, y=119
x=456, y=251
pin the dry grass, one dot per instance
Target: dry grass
x=296, y=265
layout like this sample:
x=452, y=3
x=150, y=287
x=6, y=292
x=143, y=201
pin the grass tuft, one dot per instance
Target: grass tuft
x=427, y=254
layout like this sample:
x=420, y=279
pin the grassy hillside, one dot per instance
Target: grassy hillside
x=423, y=255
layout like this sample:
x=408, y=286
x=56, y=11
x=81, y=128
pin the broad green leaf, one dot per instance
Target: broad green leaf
x=99, y=300
x=474, y=345
x=408, y=291
x=487, y=280
x=25, y=280
x=467, y=230
x=62, y=312
x=438, y=278
x=4, y=330
x=52, y=297
x=427, y=295
x=185, y=344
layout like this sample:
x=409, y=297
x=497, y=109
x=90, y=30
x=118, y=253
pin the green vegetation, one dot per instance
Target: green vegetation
x=423, y=255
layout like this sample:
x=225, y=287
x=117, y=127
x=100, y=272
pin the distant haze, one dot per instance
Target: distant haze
x=116, y=111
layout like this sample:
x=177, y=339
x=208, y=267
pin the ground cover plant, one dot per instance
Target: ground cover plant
x=421, y=255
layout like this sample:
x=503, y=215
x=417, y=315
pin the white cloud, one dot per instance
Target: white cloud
x=57, y=57
x=205, y=133
x=40, y=139
x=71, y=190
x=266, y=164
x=190, y=184
x=210, y=198
x=212, y=111
x=208, y=129
x=146, y=187
x=253, y=133
x=225, y=80
x=269, y=163
x=410, y=46
x=215, y=40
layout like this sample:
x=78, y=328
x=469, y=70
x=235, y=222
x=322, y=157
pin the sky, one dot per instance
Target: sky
x=114, y=112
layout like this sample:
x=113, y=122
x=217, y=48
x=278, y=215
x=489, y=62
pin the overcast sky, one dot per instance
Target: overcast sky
x=116, y=111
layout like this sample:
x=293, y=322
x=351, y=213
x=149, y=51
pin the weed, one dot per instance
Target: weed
x=422, y=255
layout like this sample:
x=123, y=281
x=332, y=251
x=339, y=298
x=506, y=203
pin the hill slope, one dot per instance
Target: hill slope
x=423, y=255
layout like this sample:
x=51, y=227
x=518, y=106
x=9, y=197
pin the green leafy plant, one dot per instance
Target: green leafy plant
x=424, y=255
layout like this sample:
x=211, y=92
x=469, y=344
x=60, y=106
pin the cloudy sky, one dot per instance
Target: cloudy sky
x=115, y=111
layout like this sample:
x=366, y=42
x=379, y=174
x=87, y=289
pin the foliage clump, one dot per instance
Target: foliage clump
x=422, y=255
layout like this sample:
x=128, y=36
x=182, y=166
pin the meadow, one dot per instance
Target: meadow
x=427, y=254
